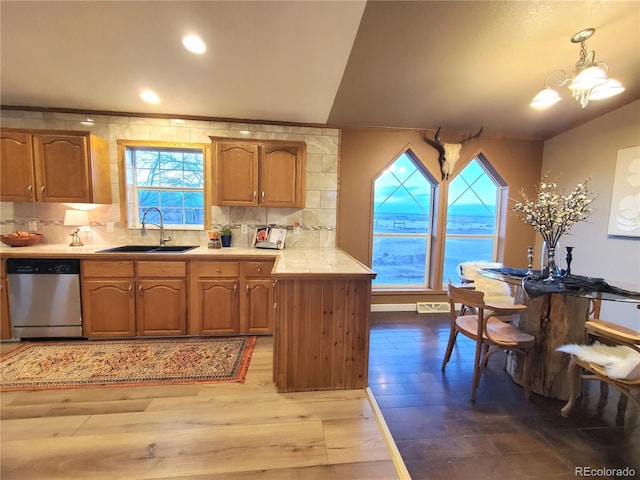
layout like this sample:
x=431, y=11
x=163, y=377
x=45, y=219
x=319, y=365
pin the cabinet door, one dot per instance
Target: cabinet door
x=161, y=306
x=17, y=177
x=236, y=173
x=62, y=168
x=108, y=308
x=218, y=306
x=259, y=306
x=282, y=176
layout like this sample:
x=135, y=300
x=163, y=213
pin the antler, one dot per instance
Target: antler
x=473, y=137
x=437, y=144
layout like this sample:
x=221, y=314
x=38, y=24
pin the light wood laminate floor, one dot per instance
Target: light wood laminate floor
x=227, y=431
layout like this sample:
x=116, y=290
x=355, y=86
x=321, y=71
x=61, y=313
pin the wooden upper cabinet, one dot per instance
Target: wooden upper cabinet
x=282, y=179
x=55, y=166
x=17, y=180
x=236, y=173
x=265, y=173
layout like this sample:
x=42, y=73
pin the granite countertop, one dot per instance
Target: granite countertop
x=289, y=262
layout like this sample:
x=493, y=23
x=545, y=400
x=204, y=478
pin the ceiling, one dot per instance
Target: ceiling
x=415, y=64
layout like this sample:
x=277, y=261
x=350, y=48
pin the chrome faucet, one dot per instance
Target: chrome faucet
x=143, y=232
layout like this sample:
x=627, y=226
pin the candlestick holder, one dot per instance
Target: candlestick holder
x=569, y=258
x=530, y=260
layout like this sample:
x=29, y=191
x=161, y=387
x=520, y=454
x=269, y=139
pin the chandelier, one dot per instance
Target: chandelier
x=589, y=81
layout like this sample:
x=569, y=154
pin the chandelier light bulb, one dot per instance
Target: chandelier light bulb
x=609, y=89
x=545, y=98
x=589, y=78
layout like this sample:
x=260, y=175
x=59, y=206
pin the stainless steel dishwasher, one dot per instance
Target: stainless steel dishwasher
x=44, y=297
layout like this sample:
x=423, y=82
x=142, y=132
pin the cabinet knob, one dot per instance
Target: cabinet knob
x=255, y=194
x=30, y=187
x=218, y=270
x=235, y=288
x=259, y=270
x=263, y=196
x=42, y=188
x=140, y=289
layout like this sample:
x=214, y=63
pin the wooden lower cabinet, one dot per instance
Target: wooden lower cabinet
x=108, y=308
x=259, y=306
x=134, y=298
x=218, y=307
x=231, y=297
x=196, y=297
x=161, y=306
x=321, y=340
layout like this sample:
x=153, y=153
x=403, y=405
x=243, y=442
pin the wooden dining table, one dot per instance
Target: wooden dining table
x=556, y=315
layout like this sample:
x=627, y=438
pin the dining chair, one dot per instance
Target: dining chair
x=613, y=360
x=495, y=291
x=489, y=326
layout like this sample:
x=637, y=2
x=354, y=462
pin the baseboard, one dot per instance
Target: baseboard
x=420, y=307
x=393, y=307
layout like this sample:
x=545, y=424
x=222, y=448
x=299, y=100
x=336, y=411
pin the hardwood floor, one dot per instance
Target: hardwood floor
x=224, y=431
x=441, y=434
x=248, y=431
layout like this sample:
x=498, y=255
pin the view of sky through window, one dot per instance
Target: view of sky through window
x=169, y=179
x=471, y=219
x=402, y=222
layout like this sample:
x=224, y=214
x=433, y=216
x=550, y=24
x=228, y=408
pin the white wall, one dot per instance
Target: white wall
x=590, y=151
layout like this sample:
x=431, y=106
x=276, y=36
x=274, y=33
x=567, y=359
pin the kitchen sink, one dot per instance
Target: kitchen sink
x=173, y=248
x=149, y=249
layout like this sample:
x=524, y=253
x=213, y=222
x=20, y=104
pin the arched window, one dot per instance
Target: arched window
x=473, y=216
x=402, y=224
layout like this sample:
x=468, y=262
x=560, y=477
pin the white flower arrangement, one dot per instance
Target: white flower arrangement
x=552, y=214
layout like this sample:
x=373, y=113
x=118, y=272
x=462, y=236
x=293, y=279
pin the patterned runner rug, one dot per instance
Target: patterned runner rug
x=82, y=364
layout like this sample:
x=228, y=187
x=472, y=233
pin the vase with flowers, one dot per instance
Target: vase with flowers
x=552, y=214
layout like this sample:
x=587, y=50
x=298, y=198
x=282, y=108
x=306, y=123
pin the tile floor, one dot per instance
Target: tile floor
x=442, y=435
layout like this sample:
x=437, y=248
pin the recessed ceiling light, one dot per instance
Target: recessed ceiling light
x=149, y=96
x=194, y=44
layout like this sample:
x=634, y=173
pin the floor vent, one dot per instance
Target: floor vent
x=432, y=307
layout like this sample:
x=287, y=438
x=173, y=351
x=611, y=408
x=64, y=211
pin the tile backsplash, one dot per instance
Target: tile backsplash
x=317, y=220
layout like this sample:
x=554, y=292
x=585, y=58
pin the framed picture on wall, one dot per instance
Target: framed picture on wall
x=624, y=217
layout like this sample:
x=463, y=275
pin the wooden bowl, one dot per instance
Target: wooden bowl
x=14, y=240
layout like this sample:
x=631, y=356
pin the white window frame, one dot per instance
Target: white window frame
x=501, y=189
x=428, y=236
x=129, y=191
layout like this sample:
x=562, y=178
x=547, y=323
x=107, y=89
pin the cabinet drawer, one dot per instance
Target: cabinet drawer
x=107, y=268
x=258, y=269
x=218, y=269
x=162, y=269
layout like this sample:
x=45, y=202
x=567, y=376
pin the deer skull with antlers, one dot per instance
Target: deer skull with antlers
x=448, y=152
